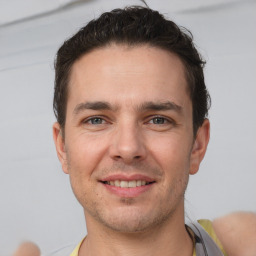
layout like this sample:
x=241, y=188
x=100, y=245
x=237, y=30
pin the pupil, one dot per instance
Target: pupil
x=96, y=121
x=158, y=120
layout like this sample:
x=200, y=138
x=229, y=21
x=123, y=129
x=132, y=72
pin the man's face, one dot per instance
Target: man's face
x=129, y=145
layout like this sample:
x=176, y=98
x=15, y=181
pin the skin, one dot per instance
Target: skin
x=237, y=233
x=27, y=249
x=129, y=141
x=132, y=133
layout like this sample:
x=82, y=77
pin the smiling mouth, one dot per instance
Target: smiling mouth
x=127, y=184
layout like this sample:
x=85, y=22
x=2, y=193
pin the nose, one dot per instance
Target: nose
x=128, y=144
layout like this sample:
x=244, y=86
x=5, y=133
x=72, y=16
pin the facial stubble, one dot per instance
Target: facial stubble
x=131, y=219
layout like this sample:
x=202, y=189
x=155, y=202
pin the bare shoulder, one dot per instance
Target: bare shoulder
x=237, y=233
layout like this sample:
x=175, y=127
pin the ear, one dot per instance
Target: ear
x=199, y=146
x=60, y=146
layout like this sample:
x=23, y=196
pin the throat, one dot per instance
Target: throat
x=138, y=244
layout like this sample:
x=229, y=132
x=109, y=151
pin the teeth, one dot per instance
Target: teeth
x=117, y=183
x=138, y=183
x=124, y=184
x=127, y=184
x=132, y=184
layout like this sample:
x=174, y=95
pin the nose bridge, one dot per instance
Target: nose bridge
x=128, y=143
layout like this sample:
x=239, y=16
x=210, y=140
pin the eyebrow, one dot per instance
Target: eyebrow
x=97, y=105
x=146, y=106
x=158, y=106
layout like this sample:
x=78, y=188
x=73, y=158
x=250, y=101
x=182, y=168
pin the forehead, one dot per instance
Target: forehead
x=128, y=74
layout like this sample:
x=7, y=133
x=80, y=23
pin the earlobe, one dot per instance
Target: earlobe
x=199, y=146
x=60, y=146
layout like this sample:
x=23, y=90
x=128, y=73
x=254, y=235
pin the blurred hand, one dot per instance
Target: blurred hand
x=237, y=233
x=27, y=249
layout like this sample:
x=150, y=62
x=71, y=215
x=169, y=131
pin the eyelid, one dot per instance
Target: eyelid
x=87, y=119
x=168, y=119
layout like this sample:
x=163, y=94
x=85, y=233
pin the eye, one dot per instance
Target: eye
x=95, y=120
x=159, y=120
x=95, y=123
x=160, y=123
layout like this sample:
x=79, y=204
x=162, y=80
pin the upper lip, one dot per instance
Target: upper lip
x=127, y=177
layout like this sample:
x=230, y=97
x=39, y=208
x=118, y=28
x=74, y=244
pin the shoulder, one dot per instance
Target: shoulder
x=237, y=233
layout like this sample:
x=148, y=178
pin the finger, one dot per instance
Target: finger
x=27, y=249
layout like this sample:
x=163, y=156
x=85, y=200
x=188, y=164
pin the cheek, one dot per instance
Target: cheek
x=84, y=153
x=83, y=157
x=171, y=152
x=172, y=155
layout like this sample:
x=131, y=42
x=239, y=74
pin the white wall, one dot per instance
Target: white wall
x=36, y=199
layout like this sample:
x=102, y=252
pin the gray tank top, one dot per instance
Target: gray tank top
x=204, y=244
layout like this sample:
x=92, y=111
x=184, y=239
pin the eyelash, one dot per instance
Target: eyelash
x=150, y=120
x=90, y=119
x=164, y=119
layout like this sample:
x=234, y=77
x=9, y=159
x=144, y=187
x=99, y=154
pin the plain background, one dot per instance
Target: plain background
x=36, y=201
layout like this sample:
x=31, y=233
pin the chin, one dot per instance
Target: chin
x=133, y=220
x=128, y=226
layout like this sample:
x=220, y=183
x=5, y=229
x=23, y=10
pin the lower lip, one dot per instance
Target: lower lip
x=128, y=192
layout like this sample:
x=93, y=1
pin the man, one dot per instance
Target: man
x=131, y=108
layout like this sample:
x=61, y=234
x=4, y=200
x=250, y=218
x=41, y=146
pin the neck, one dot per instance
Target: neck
x=168, y=239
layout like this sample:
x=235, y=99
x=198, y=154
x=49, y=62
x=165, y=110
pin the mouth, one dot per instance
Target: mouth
x=127, y=184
